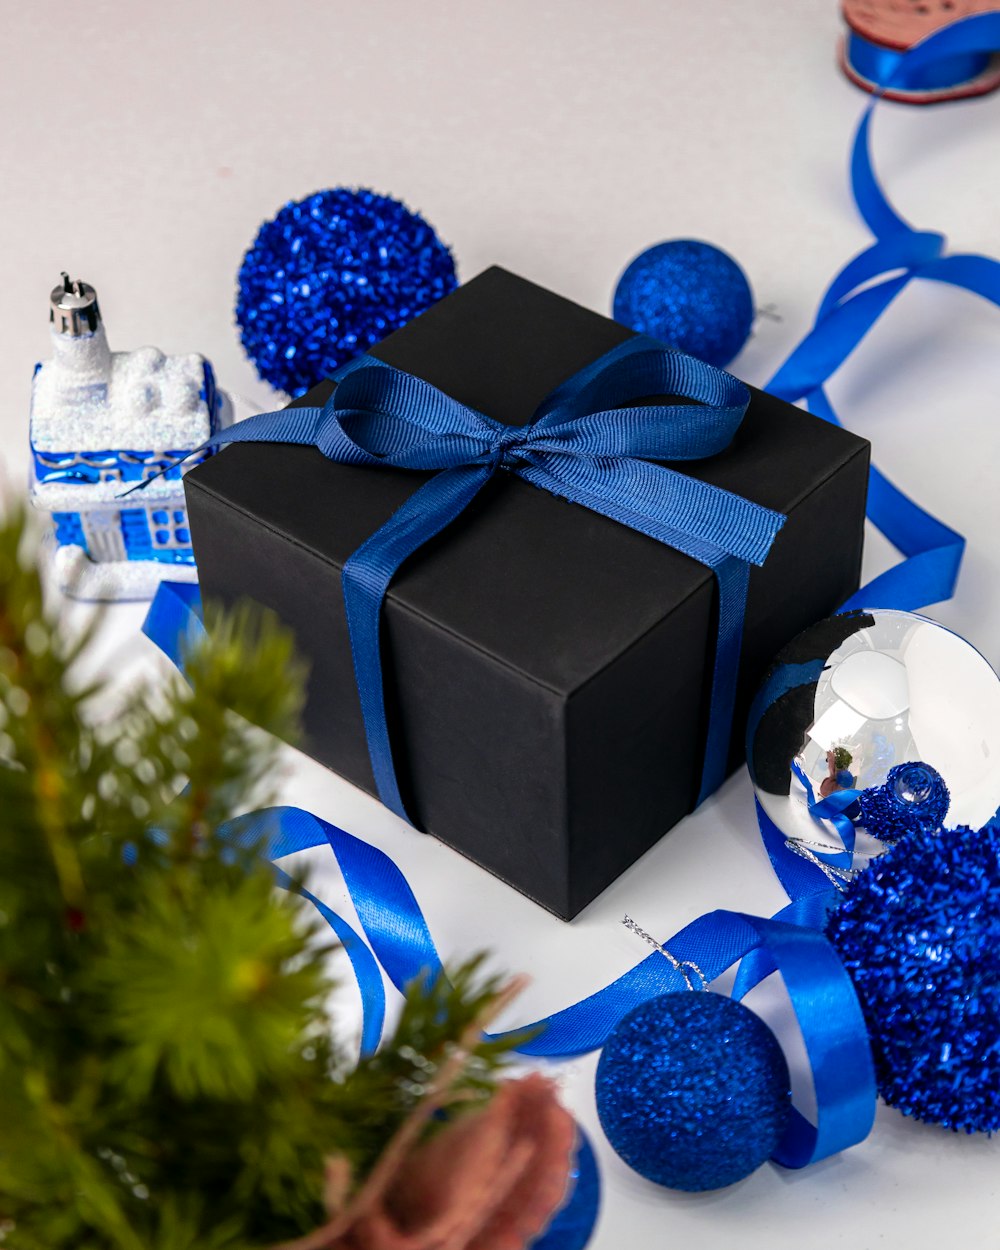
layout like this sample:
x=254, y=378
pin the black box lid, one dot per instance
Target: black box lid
x=546, y=587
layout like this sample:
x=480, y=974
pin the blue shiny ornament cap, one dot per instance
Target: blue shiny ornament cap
x=693, y=1091
x=919, y=934
x=688, y=294
x=330, y=276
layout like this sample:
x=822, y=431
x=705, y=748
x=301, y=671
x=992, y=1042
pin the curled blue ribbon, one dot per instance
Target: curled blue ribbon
x=858, y=295
x=591, y=442
x=399, y=941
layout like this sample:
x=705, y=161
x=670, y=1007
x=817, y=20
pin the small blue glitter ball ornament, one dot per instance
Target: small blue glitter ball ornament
x=913, y=796
x=572, y=1225
x=919, y=934
x=693, y=1091
x=330, y=276
x=690, y=295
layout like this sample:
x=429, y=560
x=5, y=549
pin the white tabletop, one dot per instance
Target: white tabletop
x=142, y=146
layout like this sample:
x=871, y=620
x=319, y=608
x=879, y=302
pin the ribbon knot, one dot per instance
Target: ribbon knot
x=598, y=440
x=510, y=446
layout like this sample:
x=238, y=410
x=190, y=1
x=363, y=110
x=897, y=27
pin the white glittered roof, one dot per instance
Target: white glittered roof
x=153, y=403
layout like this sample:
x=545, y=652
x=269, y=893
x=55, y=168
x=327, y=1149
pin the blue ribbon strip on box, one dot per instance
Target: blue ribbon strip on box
x=591, y=442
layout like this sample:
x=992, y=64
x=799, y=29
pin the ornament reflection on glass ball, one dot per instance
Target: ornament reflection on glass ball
x=690, y=295
x=851, y=701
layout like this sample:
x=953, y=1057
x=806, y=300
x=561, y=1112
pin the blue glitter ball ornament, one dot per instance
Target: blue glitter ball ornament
x=330, y=276
x=913, y=796
x=690, y=295
x=919, y=934
x=572, y=1225
x=693, y=1091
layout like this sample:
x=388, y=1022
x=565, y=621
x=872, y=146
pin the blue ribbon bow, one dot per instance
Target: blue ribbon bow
x=591, y=442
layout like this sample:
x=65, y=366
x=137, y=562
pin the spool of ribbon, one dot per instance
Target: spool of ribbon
x=880, y=32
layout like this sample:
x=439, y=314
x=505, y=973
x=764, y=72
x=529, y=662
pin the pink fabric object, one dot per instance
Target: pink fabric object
x=491, y=1180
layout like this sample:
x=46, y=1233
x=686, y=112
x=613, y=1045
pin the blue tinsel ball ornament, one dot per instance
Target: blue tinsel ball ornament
x=919, y=934
x=693, y=1091
x=690, y=295
x=330, y=276
x=913, y=796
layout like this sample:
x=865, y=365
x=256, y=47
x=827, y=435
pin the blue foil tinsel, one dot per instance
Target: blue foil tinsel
x=690, y=295
x=919, y=933
x=913, y=796
x=330, y=276
x=693, y=1091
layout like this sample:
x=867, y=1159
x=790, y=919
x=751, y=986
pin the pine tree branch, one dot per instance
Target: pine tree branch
x=414, y=1125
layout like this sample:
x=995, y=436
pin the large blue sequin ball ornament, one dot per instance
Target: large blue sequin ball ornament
x=693, y=1091
x=919, y=934
x=330, y=276
x=690, y=295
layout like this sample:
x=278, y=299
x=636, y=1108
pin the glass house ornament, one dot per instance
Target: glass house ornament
x=103, y=421
x=852, y=699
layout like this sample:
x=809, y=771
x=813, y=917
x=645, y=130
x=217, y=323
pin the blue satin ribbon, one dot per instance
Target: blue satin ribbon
x=886, y=67
x=858, y=295
x=591, y=442
x=399, y=941
x=791, y=943
x=820, y=990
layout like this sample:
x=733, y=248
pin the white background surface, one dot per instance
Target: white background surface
x=142, y=145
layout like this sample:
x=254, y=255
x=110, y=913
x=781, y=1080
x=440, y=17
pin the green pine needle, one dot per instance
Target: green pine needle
x=170, y=1078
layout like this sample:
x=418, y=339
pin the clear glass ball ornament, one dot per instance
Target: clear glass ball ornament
x=854, y=697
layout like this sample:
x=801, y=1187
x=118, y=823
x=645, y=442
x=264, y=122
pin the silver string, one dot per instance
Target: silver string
x=679, y=965
x=840, y=877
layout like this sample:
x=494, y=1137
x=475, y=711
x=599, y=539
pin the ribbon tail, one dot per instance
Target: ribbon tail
x=281, y=831
x=289, y=425
x=173, y=623
x=366, y=576
x=820, y=989
x=174, y=620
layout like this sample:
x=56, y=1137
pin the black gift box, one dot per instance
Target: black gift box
x=547, y=670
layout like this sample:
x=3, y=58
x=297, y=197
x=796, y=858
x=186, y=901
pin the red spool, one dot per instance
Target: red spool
x=896, y=25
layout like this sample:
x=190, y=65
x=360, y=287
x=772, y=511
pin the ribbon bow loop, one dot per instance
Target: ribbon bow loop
x=602, y=408
x=381, y=415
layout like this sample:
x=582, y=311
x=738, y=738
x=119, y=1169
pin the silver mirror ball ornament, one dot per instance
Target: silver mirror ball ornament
x=854, y=697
